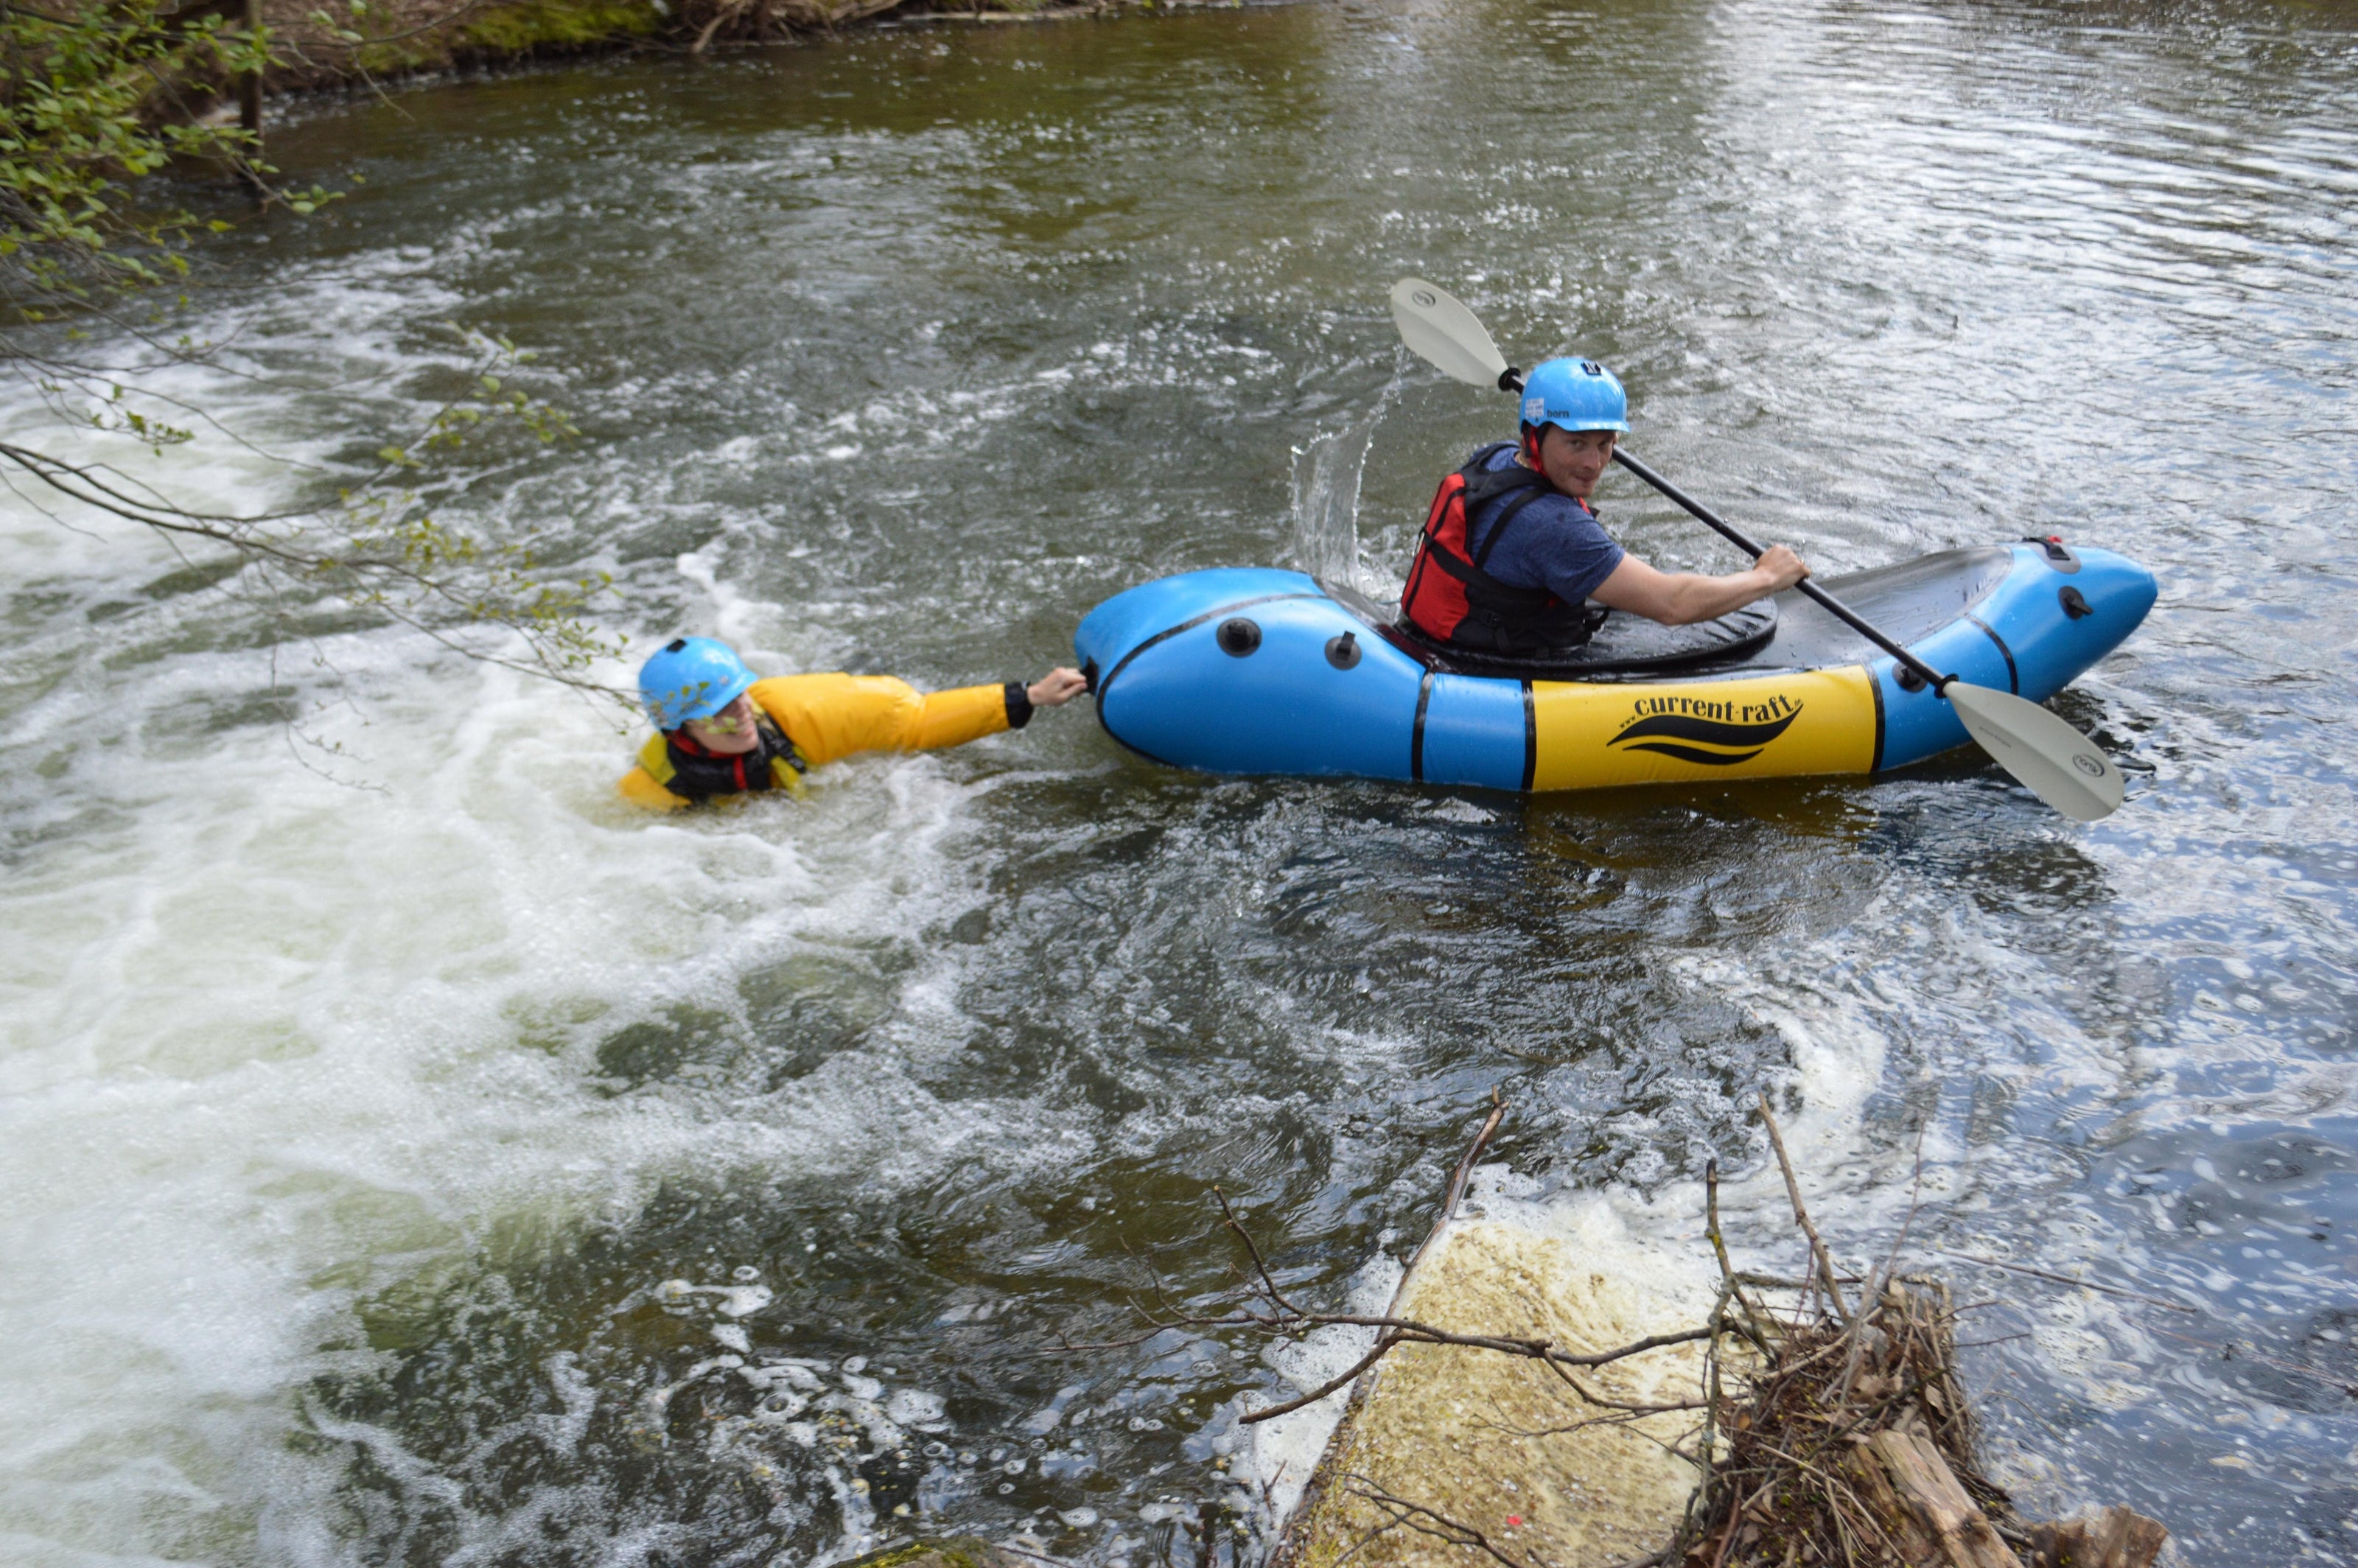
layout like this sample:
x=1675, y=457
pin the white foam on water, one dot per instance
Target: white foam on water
x=1285, y=1449
x=269, y=1042
x=1654, y=1242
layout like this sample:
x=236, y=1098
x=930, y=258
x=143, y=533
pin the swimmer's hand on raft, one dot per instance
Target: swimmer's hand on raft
x=1055, y=688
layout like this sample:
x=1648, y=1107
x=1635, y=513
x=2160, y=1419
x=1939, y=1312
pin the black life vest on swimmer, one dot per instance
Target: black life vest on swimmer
x=1450, y=599
x=689, y=770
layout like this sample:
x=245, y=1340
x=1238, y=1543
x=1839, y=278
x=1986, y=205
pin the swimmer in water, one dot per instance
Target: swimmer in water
x=724, y=731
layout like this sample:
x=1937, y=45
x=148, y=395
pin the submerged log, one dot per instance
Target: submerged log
x=1930, y=1516
x=2104, y=1538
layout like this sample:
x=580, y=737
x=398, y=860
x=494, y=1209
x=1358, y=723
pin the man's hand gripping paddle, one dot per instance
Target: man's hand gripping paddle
x=2047, y=756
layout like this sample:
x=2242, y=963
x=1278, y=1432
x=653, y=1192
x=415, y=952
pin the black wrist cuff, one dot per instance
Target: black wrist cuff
x=1019, y=705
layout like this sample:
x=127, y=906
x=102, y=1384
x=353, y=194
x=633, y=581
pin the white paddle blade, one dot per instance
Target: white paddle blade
x=1445, y=334
x=2047, y=756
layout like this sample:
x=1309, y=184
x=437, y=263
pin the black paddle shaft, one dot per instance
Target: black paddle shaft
x=1833, y=606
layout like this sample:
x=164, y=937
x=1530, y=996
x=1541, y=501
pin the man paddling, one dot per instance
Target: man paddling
x=1512, y=552
x=722, y=731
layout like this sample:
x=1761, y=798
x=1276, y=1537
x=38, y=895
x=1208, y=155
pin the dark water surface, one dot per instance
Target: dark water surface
x=361, y=1130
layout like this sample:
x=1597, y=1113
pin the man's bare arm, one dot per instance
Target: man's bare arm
x=1681, y=599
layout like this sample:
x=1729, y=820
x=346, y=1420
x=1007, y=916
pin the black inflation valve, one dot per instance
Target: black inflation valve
x=1343, y=651
x=1239, y=637
x=2075, y=603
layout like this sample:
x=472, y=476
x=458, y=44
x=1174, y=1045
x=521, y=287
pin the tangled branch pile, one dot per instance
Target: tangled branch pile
x=1818, y=1428
x=1854, y=1445
x=1849, y=1440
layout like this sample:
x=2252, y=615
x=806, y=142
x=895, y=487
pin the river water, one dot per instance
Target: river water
x=362, y=1111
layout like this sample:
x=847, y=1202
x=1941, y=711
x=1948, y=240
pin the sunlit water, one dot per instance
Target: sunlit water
x=358, y=1111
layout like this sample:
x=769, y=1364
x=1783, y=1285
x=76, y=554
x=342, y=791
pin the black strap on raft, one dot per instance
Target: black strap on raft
x=700, y=774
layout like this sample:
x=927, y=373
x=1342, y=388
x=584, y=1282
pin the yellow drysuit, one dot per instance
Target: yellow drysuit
x=831, y=716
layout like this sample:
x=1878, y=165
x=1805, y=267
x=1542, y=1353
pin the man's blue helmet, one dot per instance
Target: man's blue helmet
x=691, y=677
x=1575, y=395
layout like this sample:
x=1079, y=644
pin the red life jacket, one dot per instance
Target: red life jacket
x=1450, y=599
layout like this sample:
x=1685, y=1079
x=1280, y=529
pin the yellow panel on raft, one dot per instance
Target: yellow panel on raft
x=1807, y=721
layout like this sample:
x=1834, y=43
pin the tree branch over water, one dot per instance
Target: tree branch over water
x=91, y=109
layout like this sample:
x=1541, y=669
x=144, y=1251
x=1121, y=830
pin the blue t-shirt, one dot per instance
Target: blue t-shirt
x=1554, y=542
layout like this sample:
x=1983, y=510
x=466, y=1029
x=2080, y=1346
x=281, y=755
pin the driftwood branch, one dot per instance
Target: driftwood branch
x=1266, y=1309
x=1800, y=1213
x=1400, y=1331
x=1335, y=1384
x=1261, y=1265
x=1399, y=1513
x=1459, y=1178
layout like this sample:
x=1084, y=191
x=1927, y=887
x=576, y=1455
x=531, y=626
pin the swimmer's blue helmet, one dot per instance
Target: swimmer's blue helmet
x=691, y=677
x=1575, y=395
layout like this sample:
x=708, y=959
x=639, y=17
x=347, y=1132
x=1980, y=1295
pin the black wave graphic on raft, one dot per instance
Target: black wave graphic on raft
x=1689, y=754
x=1677, y=726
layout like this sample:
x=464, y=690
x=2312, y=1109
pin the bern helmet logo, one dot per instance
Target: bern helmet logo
x=1534, y=409
x=1590, y=367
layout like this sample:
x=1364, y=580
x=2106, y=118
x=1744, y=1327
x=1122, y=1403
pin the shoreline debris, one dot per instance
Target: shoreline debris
x=1565, y=1424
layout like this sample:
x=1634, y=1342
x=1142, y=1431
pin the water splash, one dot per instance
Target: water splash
x=1326, y=474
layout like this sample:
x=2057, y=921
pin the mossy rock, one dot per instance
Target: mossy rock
x=958, y=1552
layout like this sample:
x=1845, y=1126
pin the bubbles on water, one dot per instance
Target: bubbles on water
x=678, y=1296
x=916, y=1408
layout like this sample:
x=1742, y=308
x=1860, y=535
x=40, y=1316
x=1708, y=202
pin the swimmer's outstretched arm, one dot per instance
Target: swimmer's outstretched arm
x=829, y=717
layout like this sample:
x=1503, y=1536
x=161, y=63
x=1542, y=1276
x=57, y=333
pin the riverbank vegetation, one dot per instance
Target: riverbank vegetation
x=331, y=43
x=101, y=282
x=133, y=132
